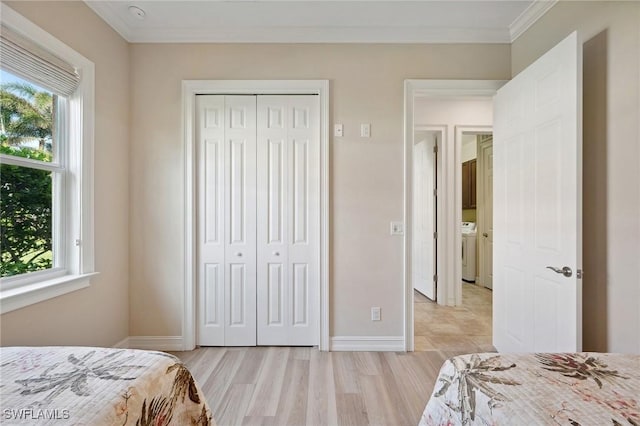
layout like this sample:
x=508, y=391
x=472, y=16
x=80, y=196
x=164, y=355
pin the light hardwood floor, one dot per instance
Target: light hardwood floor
x=282, y=386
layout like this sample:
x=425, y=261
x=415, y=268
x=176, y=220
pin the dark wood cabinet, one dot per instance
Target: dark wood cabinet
x=469, y=184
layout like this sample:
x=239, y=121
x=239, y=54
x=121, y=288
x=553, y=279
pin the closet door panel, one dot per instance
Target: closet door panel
x=272, y=220
x=209, y=128
x=240, y=221
x=288, y=191
x=303, y=244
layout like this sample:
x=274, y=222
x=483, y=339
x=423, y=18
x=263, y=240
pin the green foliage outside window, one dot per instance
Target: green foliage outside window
x=26, y=117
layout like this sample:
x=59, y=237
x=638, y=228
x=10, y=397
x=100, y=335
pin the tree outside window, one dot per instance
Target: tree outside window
x=27, y=121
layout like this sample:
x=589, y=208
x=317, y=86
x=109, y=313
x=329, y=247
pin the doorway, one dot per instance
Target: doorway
x=439, y=325
x=538, y=201
x=449, y=200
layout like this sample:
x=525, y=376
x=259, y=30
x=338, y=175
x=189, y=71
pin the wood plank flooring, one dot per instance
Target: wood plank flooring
x=280, y=386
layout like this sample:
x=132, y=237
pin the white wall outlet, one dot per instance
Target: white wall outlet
x=397, y=228
x=338, y=130
x=365, y=130
x=375, y=313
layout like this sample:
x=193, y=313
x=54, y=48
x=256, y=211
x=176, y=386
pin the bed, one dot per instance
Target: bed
x=536, y=389
x=97, y=386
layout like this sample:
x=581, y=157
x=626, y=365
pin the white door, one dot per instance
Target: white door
x=288, y=223
x=486, y=239
x=537, y=205
x=423, y=258
x=226, y=135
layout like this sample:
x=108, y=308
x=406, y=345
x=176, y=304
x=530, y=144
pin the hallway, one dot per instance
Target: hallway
x=462, y=328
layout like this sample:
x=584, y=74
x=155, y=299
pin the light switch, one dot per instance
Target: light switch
x=375, y=313
x=338, y=130
x=365, y=130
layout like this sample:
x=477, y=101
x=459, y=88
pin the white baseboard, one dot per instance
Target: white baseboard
x=155, y=343
x=122, y=344
x=368, y=343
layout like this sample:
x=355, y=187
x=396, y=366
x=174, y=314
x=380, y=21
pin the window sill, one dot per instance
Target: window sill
x=26, y=295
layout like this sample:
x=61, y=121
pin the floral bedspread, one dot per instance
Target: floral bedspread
x=97, y=386
x=536, y=389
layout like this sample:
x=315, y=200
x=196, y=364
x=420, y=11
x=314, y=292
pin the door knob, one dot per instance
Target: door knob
x=565, y=270
x=239, y=254
x=276, y=253
x=484, y=234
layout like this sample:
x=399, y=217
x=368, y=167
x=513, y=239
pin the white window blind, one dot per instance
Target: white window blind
x=26, y=59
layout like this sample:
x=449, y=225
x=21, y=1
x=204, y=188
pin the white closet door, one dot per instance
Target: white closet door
x=226, y=128
x=211, y=239
x=240, y=218
x=288, y=223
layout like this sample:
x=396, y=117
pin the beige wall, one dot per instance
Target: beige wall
x=611, y=227
x=98, y=315
x=366, y=174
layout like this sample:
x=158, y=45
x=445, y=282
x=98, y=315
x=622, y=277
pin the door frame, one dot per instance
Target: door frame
x=449, y=230
x=482, y=226
x=191, y=88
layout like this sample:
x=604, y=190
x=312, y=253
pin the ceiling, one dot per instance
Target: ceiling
x=325, y=21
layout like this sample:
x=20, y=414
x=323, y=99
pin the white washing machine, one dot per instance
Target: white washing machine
x=469, y=252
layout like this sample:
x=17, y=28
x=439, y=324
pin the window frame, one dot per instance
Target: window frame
x=75, y=218
x=59, y=170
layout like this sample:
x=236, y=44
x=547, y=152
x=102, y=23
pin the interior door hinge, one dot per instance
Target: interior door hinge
x=435, y=278
x=579, y=274
x=435, y=149
x=435, y=192
x=435, y=235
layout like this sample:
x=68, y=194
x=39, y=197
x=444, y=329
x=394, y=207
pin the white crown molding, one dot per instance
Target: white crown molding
x=295, y=34
x=368, y=343
x=529, y=17
x=319, y=35
x=108, y=14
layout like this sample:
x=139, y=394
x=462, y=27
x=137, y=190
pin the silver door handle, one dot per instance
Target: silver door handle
x=239, y=254
x=276, y=253
x=484, y=234
x=566, y=271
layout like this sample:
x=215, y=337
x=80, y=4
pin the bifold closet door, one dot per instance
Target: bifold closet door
x=226, y=136
x=258, y=223
x=288, y=185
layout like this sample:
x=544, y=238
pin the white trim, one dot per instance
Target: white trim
x=108, y=14
x=451, y=205
x=317, y=35
x=190, y=88
x=295, y=34
x=32, y=164
x=156, y=343
x=78, y=211
x=368, y=343
x=535, y=11
x=26, y=295
x=122, y=344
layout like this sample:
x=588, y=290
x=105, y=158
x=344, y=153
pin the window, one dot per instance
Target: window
x=32, y=176
x=46, y=165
